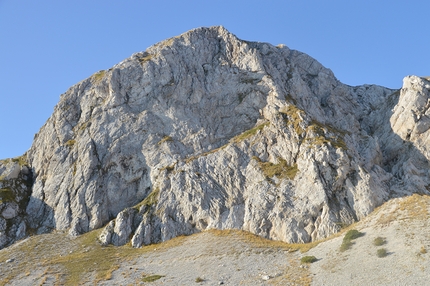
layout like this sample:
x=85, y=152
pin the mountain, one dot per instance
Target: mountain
x=207, y=131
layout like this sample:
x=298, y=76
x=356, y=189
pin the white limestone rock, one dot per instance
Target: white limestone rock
x=205, y=130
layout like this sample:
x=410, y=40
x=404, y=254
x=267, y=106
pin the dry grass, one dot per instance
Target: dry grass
x=192, y=158
x=293, y=275
x=165, y=139
x=260, y=242
x=316, y=133
x=294, y=117
x=319, y=134
x=98, y=76
x=21, y=160
x=414, y=207
x=151, y=278
x=150, y=200
x=249, y=133
x=88, y=260
x=145, y=59
x=70, y=143
x=83, y=258
x=281, y=170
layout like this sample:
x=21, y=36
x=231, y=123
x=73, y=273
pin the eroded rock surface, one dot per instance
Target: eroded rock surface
x=16, y=179
x=205, y=130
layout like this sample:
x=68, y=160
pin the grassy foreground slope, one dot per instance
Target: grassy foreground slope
x=233, y=257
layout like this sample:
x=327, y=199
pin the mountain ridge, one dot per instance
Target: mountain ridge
x=207, y=131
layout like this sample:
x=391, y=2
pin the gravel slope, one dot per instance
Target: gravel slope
x=238, y=258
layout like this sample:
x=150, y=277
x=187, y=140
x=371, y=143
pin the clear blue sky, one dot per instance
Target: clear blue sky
x=46, y=46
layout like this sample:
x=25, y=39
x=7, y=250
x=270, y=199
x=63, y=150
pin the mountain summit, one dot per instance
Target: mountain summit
x=205, y=130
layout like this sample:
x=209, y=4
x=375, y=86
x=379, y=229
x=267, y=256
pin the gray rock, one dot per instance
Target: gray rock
x=15, y=188
x=205, y=130
x=10, y=210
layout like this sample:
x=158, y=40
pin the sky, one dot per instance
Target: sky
x=46, y=46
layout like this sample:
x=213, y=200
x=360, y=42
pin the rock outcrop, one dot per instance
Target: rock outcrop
x=16, y=180
x=205, y=130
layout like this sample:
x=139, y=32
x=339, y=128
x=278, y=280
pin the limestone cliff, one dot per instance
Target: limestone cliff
x=205, y=130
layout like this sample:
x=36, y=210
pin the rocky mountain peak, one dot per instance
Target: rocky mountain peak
x=205, y=130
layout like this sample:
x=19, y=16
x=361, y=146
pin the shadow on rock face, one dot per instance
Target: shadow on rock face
x=15, y=194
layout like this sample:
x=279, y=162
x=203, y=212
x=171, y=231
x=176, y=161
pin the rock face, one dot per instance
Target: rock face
x=15, y=189
x=208, y=131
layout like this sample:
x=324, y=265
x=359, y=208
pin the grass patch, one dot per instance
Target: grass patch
x=249, y=133
x=70, y=143
x=379, y=241
x=167, y=42
x=145, y=59
x=382, y=252
x=308, y=259
x=353, y=234
x=281, y=170
x=21, y=160
x=316, y=133
x=6, y=195
x=260, y=242
x=100, y=260
x=322, y=135
x=151, y=278
x=414, y=207
x=98, y=76
x=192, y=158
x=150, y=200
x=199, y=280
x=168, y=168
x=346, y=245
x=347, y=239
x=80, y=260
x=294, y=116
x=165, y=139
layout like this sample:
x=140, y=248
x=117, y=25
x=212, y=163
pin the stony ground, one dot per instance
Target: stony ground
x=234, y=257
x=404, y=225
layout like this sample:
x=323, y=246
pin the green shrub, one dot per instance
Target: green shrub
x=199, y=280
x=346, y=245
x=308, y=259
x=347, y=239
x=353, y=234
x=151, y=278
x=382, y=252
x=379, y=241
